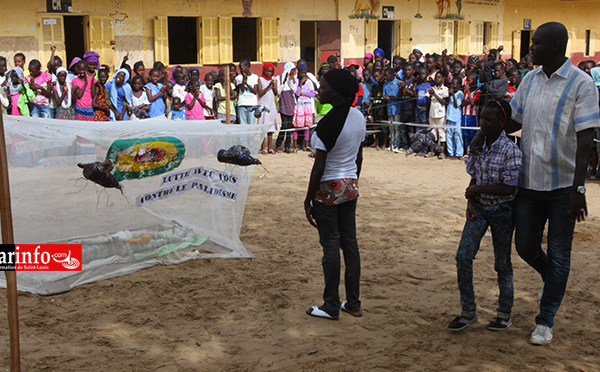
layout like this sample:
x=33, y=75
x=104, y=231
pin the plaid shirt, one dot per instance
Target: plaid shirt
x=500, y=164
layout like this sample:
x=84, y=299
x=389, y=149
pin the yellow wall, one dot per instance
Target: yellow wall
x=425, y=31
x=577, y=16
x=134, y=21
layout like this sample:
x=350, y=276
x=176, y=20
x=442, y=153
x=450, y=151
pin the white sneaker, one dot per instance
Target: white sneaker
x=541, y=336
x=540, y=295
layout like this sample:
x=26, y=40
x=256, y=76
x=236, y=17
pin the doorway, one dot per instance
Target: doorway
x=74, y=38
x=385, y=36
x=308, y=44
x=319, y=40
x=245, y=39
x=525, y=43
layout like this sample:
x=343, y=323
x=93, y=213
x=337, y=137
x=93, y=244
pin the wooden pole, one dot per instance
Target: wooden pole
x=227, y=96
x=8, y=237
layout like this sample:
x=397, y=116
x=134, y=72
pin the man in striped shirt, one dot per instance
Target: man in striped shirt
x=556, y=106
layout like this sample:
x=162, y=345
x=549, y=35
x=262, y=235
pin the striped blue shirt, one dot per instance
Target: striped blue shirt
x=498, y=165
x=552, y=111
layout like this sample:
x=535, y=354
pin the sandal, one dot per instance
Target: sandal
x=264, y=151
x=271, y=151
x=356, y=314
x=316, y=312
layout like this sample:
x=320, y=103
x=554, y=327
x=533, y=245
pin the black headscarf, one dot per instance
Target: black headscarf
x=330, y=127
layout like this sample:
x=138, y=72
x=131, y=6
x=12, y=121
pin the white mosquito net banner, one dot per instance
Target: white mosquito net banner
x=173, y=199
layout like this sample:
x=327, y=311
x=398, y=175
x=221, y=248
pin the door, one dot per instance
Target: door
x=329, y=39
x=161, y=39
x=516, y=45
x=51, y=33
x=371, y=32
x=102, y=39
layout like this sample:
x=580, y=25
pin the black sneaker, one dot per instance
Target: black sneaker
x=460, y=322
x=499, y=324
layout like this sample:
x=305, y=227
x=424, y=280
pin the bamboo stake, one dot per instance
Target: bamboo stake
x=227, y=96
x=8, y=237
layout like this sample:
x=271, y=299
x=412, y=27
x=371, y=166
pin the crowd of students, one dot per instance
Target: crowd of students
x=437, y=92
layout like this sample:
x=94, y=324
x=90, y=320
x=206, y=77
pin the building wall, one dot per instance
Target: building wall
x=425, y=30
x=577, y=16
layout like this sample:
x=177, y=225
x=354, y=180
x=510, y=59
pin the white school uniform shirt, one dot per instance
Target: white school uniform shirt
x=552, y=111
x=209, y=95
x=341, y=160
x=179, y=91
x=247, y=98
x=437, y=109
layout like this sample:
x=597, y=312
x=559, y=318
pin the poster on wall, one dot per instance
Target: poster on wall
x=388, y=12
x=59, y=6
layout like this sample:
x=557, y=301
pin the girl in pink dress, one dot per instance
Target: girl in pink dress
x=303, y=112
x=82, y=91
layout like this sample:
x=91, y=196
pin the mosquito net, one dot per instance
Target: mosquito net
x=174, y=200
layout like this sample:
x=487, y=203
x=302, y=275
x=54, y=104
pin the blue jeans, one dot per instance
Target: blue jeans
x=244, y=115
x=532, y=210
x=500, y=219
x=454, y=140
x=337, y=229
x=42, y=111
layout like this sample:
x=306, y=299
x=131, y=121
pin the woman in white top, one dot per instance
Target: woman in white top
x=330, y=203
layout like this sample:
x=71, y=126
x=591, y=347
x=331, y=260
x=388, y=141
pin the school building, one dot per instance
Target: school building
x=215, y=32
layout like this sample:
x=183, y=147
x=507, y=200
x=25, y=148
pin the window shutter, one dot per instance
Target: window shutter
x=51, y=33
x=493, y=35
x=210, y=40
x=161, y=39
x=462, y=34
x=225, y=40
x=102, y=36
x=477, y=38
x=370, y=35
x=516, y=45
x=592, y=42
x=269, y=45
x=447, y=36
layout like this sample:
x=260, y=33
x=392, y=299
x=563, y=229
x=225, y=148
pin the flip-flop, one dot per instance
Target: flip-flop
x=356, y=314
x=316, y=312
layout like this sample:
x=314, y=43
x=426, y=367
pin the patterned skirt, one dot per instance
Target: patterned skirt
x=303, y=115
x=65, y=114
x=84, y=113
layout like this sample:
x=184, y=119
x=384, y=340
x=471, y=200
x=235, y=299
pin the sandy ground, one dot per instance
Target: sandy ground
x=249, y=314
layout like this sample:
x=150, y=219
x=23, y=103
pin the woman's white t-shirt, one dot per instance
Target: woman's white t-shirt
x=341, y=160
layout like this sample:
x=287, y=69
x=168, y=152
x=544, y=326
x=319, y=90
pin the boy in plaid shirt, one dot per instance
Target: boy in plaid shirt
x=490, y=195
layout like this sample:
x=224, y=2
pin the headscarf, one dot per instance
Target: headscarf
x=302, y=67
x=287, y=68
x=380, y=52
x=265, y=67
x=369, y=55
x=74, y=61
x=91, y=56
x=112, y=90
x=596, y=75
x=422, y=58
x=66, y=102
x=331, y=125
x=474, y=59
x=173, y=73
x=193, y=69
x=15, y=90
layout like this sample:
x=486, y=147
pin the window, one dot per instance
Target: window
x=244, y=39
x=447, y=36
x=462, y=32
x=215, y=40
x=590, y=42
x=491, y=35
x=183, y=42
x=477, y=38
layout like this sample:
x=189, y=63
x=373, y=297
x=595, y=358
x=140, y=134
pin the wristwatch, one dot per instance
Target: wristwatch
x=580, y=190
